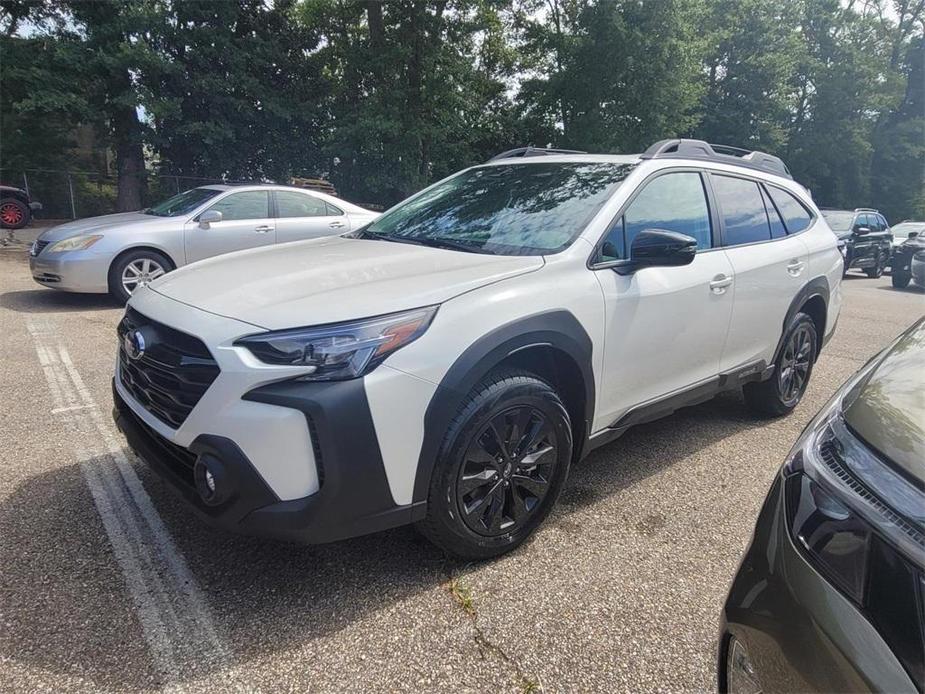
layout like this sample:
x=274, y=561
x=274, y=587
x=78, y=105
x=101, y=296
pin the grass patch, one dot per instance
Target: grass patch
x=462, y=595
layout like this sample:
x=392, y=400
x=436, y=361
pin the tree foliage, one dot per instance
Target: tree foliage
x=385, y=97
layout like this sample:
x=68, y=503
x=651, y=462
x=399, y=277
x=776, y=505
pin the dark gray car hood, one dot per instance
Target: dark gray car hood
x=887, y=408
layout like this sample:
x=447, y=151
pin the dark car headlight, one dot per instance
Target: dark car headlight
x=340, y=351
x=840, y=495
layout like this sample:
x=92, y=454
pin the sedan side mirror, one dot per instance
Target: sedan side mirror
x=862, y=231
x=913, y=234
x=209, y=217
x=661, y=248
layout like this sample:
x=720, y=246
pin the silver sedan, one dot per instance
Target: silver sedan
x=118, y=253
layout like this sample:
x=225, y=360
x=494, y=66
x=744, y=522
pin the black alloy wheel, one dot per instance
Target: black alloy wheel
x=795, y=365
x=506, y=471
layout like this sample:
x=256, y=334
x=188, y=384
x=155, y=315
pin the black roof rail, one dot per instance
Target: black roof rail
x=533, y=152
x=726, y=154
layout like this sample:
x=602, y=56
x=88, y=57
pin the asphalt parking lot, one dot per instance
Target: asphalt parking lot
x=107, y=583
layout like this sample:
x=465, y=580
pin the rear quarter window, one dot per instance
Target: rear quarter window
x=796, y=217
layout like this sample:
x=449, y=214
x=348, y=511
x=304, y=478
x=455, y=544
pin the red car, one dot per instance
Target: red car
x=16, y=207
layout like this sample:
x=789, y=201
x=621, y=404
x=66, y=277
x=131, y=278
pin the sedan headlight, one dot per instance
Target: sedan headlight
x=75, y=243
x=341, y=350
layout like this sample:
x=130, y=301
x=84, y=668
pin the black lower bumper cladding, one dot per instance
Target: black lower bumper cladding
x=354, y=499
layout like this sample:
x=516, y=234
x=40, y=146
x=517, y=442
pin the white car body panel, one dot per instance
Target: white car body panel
x=333, y=279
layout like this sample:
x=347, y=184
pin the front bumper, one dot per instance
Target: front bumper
x=800, y=632
x=353, y=498
x=71, y=272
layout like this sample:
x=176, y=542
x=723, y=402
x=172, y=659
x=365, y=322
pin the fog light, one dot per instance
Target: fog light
x=211, y=480
x=741, y=677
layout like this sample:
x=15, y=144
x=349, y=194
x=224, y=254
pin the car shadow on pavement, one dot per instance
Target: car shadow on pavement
x=266, y=597
x=51, y=301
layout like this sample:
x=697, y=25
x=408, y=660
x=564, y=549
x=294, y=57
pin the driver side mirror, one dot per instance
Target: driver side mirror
x=209, y=217
x=913, y=234
x=862, y=231
x=661, y=248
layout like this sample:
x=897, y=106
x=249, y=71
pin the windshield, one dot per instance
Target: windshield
x=509, y=209
x=838, y=221
x=182, y=203
x=902, y=230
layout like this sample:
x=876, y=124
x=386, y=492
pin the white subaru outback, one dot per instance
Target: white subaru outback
x=448, y=362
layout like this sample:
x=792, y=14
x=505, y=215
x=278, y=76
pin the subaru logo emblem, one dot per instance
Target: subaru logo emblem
x=133, y=342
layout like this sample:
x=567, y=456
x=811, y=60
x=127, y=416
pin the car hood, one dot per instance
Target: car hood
x=887, y=408
x=96, y=225
x=333, y=279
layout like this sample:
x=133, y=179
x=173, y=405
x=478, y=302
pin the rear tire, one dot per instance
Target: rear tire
x=131, y=264
x=877, y=270
x=14, y=214
x=501, y=467
x=901, y=279
x=783, y=391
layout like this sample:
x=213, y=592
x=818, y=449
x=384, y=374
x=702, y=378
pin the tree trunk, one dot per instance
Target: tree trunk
x=130, y=160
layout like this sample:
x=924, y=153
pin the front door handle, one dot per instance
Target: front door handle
x=336, y=224
x=719, y=283
x=795, y=267
x=263, y=229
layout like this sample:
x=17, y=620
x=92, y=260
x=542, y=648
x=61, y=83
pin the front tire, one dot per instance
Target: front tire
x=501, y=467
x=877, y=270
x=901, y=279
x=14, y=214
x=783, y=391
x=134, y=269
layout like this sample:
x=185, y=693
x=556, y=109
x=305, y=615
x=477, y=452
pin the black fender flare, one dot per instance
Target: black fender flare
x=818, y=286
x=559, y=330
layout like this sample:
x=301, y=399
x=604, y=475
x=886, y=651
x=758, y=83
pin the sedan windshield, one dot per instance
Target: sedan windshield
x=508, y=209
x=838, y=221
x=182, y=203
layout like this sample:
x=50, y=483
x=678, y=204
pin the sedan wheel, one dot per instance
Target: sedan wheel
x=140, y=272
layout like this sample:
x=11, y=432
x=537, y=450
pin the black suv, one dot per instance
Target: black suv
x=867, y=238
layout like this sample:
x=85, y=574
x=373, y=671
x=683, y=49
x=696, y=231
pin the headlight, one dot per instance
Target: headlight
x=840, y=495
x=340, y=350
x=75, y=243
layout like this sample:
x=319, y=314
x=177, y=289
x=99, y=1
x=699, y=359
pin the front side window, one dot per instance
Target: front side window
x=182, y=203
x=249, y=204
x=745, y=219
x=508, y=209
x=671, y=202
x=292, y=204
x=796, y=216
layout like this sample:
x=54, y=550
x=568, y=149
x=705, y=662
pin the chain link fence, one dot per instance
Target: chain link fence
x=74, y=194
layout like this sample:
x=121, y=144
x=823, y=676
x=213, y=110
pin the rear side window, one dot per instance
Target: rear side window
x=673, y=202
x=742, y=206
x=292, y=204
x=795, y=216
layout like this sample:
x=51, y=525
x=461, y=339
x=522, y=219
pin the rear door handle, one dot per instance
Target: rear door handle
x=795, y=267
x=719, y=283
x=263, y=229
x=336, y=224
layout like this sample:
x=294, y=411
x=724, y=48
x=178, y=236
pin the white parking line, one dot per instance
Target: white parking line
x=175, y=618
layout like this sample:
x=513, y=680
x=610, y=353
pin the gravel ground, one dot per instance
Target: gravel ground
x=619, y=591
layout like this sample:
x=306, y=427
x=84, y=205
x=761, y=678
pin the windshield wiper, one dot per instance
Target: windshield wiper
x=430, y=243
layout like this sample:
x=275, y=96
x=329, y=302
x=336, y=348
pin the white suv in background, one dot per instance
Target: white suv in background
x=447, y=363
